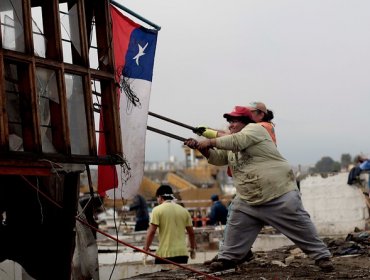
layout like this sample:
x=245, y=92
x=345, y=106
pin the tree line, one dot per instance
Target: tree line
x=327, y=164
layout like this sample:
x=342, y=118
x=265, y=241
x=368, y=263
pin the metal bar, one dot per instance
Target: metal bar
x=135, y=15
x=172, y=121
x=166, y=133
x=91, y=189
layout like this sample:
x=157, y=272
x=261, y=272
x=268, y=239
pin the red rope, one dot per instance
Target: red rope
x=208, y=276
x=145, y=252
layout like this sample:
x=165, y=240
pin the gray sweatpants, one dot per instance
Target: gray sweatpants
x=285, y=213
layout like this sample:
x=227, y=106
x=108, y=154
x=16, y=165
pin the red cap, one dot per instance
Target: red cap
x=239, y=111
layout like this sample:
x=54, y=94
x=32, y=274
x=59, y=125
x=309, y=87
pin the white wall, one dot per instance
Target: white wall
x=335, y=207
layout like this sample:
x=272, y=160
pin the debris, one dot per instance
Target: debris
x=279, y=263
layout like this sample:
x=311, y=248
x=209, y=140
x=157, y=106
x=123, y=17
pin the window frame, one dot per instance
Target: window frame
x=32, y=155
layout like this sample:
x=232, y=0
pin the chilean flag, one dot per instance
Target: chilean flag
x=134, y=50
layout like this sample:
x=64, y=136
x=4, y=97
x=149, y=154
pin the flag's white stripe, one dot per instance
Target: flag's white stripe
x=133, y=131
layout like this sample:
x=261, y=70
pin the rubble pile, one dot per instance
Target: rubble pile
x=351, y=257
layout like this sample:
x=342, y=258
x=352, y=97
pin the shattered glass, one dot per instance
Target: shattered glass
x=39, y=39
x=96, y=94
x=76, y=115
x=47, y=92
x=13, y=108
x=93, y=50
x=70, y=31
x=11, y=20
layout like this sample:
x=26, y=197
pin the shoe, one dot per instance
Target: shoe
x=222, y=265
x=325, y=264
x=215, y=258
x=247, y=258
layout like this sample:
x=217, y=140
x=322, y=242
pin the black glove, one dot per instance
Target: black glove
x=199, y=130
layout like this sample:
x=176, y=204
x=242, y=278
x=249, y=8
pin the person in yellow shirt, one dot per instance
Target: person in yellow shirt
x=172, y=221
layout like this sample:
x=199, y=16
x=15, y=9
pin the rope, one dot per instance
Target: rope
x=42, y=193
x=208, y=276
x=146, y=252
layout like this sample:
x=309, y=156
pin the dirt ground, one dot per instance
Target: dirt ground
x=351, y=258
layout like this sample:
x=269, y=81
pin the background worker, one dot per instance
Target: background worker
x=260, y=115
x=172, y=220
x=218, y=214
x=197, y=218
x=142, y=216
x=266, y=192
x=263, y=116
x=362, y=164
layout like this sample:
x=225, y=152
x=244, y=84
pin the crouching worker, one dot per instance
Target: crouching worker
x=266, y=192
x=172, y=221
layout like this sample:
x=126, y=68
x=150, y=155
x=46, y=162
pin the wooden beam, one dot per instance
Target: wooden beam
x=27, y=171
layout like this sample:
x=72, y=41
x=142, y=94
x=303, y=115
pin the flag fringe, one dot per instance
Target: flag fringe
x=125, y=87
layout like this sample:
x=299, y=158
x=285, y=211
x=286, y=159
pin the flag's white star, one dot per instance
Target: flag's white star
x=140, y=53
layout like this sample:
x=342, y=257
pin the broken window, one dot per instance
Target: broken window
x=13, y=108
x=93, y=50
x=48, y=99
x=39, y=39
x=96, y=91
x=11, y=20
x=99, y=90
x=70, y=30
x=57, y=81
x=99, y=44
x=76, y=115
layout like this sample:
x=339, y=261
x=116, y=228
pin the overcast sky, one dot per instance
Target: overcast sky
x=308, y=61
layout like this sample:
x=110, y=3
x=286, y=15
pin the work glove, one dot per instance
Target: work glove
x=199, y=130
x=192, y=254
x=205, y=132
x=125, y=208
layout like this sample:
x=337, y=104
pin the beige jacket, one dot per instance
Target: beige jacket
x=260, y=173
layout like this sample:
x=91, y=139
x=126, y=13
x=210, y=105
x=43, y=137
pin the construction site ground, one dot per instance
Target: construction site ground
x=351, y=258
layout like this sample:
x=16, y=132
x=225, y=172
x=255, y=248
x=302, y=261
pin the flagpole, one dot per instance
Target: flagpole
x=127, y=10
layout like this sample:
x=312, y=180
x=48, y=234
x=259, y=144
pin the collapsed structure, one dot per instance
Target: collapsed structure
x=57, y=81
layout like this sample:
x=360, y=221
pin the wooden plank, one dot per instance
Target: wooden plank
x=3, y=117
x=9, y=170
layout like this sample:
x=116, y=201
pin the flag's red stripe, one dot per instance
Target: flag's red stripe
x=122, y=28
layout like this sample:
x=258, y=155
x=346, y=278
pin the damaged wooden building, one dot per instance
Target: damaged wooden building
x=57, y=83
